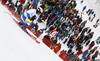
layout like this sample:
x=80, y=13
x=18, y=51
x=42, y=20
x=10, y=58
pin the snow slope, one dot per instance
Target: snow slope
x=85, y=17
x=95, y=5
x=90, y=24
x=16, y=45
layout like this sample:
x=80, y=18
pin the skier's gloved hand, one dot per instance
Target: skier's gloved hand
x=33, y=18
x=29, y=17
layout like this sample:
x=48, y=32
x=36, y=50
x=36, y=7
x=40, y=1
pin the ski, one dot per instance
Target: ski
x=34, y=38
x=27, y=32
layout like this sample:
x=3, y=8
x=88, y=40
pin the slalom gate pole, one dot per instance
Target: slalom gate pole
x=49, y=23
x=8, y=13
x=12, y=14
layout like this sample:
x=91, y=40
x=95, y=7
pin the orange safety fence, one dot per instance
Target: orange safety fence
x=33, y=31
x=48, y=42
x=56, y=47
x=64, y=56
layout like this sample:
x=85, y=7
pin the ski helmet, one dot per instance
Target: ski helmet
x=39, y=9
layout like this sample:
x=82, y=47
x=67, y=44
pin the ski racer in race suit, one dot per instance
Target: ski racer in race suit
x=30, y=14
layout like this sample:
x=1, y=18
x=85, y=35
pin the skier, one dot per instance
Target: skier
x=97, y=21
x=29, y=16
x=82, y=1
x=84, y=8
x=96, y=24
x=93, y=17
x=90, y=12
x=90, y=18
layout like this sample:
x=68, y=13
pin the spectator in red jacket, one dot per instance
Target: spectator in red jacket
x=91, y=45
x=4, y=2
x=22, y=1
x=78, y=53
x=95, y=55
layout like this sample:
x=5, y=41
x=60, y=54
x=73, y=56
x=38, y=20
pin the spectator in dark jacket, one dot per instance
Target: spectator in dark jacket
x=91, y=45
x=85, y=29
x=95, y=55
x=70, y=40
x=47, y=36
x=55, y=41
x=19, y=9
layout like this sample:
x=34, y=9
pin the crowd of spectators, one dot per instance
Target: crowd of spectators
x=68, y=24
